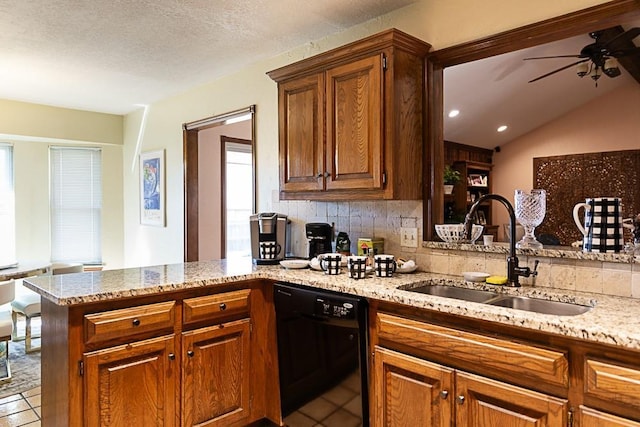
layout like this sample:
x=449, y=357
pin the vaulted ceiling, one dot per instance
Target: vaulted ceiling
x=495, y=91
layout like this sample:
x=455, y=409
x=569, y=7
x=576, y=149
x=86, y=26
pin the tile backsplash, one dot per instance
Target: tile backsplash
x=381, y=219
x=385, y=218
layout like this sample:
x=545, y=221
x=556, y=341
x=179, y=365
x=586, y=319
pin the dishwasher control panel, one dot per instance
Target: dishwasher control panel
x=334, y=308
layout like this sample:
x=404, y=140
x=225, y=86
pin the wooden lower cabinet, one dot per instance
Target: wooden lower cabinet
x=410, y=391
x=413, y=392
x=216, y=382
x=133, y=384
x=587, y=417
x=482, y=401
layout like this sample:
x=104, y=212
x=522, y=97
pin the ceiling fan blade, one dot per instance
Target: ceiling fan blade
x=558, y=70
x=622, y=38
x=551, y=57
x=626, y=52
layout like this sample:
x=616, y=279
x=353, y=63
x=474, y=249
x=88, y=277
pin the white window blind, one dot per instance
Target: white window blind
x=7, y=207
x=76, y=205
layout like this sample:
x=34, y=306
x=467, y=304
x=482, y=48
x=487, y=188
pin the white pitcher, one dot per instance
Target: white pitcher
x=602, y=228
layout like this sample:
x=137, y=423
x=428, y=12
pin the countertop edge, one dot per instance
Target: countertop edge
x=612, y=320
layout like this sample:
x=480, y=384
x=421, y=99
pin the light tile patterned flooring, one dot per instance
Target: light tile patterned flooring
x=340, y=406
x=21, y=409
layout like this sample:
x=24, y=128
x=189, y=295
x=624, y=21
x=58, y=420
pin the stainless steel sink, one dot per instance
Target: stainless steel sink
x=466, y=294
x=539, y=305
x=493, y=298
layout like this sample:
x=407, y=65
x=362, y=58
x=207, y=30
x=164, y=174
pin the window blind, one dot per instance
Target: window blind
x=7, y=207
x=76, y=205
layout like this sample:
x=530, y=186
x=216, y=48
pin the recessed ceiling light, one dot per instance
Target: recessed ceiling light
x=502, y=128
x=454, y=113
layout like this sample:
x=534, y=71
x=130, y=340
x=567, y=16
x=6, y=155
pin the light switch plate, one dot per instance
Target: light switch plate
x=409, y=237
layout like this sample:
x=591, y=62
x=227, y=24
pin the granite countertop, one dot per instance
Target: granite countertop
x=612, y=320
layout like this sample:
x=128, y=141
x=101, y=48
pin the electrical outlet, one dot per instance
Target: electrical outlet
x=409, y=237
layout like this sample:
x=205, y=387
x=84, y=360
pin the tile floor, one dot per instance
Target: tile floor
x=21, y=409
x=340, y=406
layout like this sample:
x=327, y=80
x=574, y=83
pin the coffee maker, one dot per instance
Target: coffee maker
x=268, y=237
x=319, y=235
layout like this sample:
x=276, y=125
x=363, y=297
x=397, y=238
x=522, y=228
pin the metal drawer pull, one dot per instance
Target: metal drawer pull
x=444, y=394
x=136, y=322
x=172, y=356
x=223, y=306
x=461, y=399
x=190, y=353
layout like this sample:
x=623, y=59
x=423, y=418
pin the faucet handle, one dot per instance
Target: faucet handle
x=535, y=268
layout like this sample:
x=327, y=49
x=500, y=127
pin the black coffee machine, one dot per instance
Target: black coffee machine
x=268, y=228
x=319, y=235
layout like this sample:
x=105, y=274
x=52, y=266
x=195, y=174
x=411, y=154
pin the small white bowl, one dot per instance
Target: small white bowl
x=475, y=276
x=294, y=263
x=407, y=269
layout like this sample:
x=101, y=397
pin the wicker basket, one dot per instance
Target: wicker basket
x=454, y=233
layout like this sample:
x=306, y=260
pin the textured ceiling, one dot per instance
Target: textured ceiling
x=112, y=55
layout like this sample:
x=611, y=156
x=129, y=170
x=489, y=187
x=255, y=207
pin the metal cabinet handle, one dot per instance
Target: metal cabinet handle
x=444, y=394
x=223, y=306
x=327, y=174
x=172, y=356
x=136, y=322
x=190, y=353
x=460, y=399
x=319, y=175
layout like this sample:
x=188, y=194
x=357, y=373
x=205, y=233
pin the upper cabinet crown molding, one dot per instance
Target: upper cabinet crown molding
x=351, y=121
x=353, y=51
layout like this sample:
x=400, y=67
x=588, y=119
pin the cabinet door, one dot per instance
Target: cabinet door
x=588, y=417
x=133, y=384
x=355, y=125
x=485, y=402
x=301, y=126
x=410, y=391
x=215, y=379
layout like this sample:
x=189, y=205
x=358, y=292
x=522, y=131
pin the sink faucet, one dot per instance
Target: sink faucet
x=514, y=271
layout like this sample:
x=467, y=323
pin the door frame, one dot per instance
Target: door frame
x=190, y=133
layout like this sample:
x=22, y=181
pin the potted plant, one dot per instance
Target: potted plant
x=451, y=178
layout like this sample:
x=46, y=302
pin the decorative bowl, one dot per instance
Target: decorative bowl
x=454, y=233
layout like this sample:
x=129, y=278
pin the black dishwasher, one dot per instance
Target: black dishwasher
x=322, y=355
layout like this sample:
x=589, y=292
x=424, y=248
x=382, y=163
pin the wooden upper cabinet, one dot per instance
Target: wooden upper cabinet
x=351, y=121
x=354, y=125
x=301, y=123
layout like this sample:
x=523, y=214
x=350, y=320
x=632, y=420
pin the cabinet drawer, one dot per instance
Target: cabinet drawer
x=214, y=306
x=612, y=382
x=486, y=352
x=128, y=321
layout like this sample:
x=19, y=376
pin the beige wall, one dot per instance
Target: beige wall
x=33, y=121
x=608, y=123
x=32, y=129
x=442, y=23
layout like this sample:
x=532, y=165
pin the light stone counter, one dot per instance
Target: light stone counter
x=612, y=320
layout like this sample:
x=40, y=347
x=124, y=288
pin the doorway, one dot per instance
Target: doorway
x=219, y=185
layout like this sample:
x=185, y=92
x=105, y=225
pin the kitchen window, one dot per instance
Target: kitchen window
x=76, y=204
x=7, y=207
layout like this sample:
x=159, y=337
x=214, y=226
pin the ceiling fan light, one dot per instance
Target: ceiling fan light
x=595, y=73
x=582, y=69
x=611, y=68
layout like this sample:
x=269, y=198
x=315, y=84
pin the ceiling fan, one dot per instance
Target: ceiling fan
x=600, y=56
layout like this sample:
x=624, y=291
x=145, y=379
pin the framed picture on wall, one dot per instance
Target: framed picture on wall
x=152, y=191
